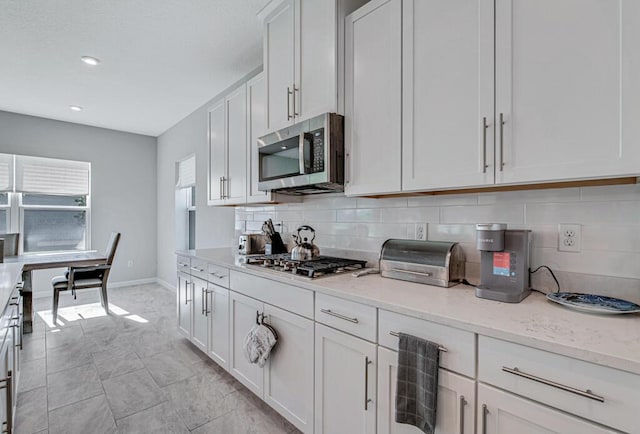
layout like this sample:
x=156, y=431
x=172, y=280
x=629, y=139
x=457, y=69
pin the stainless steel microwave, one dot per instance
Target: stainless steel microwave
x=305, y=158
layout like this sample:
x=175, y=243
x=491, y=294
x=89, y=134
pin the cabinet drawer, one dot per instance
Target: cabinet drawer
x=351, y=317
x=287, y=297
x=595, y=392
x=198, y=268
x=183, y=263
x=460, y=345
x=218, y=275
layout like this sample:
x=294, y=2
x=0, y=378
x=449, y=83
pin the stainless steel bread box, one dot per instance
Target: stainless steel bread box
x=436, y=263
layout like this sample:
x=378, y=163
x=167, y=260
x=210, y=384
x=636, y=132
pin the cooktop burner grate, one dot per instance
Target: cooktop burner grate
x=312, y=268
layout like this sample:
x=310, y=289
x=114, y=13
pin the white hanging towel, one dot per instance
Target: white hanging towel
x=258, y=344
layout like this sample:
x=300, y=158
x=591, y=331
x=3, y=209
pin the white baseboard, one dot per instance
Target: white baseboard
x=133, y=282
x=165, y=284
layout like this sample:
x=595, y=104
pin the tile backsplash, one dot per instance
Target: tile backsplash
x=609, y=260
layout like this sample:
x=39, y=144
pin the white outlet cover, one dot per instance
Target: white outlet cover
x=420, y=231
x=569, y=238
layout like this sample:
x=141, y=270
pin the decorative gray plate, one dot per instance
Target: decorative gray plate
x=593, y=303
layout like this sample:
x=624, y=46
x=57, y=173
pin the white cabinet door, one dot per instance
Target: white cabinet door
x=279, y=57
x=183, y=296
x=345, y=383
x=503, y=413
x=200, y=331
x=217, y=153
x=567, y=88
x=243, y=311
x=235, y=184
x=288, y=375
x=6, y=415
x=447, y=94
x=373, y=93
x=218, y=312
x=256, y=127
x=456, y=400
x=316, y=70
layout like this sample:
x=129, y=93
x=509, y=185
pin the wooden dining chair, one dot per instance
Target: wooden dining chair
x=84, y=277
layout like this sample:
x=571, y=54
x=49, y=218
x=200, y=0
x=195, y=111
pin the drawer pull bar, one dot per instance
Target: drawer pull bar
x=440, y=348
x=485, y=410
x=367, y=400
x=584, y=393
x=337, y=315
x=417, y=273
x=462, y=404
x=200, y=270
x=182, y=264
x=219, y=276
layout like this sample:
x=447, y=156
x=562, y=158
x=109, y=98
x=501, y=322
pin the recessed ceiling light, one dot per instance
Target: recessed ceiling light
x=75, y=108
x=93, y=61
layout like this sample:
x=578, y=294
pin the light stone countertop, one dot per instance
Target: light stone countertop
x=609, y=340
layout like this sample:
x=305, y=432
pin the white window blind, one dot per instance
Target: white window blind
x=187, y=172
x=39, y=175
x=6, y=172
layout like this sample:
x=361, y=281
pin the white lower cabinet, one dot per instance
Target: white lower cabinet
x=456, y=400
x=286, y=381
x=200, y=323
x=183, y=295
x=345, y=383
x=218, y=312
x=503, y=413
x=288, y=375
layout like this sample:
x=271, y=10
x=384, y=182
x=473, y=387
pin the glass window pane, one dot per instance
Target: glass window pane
x=192, y=230
x=4, y=198
x=3, y=221
x=51, y=200
x=51, y=230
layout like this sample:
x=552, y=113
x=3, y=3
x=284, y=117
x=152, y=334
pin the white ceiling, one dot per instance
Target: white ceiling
x=161, y=59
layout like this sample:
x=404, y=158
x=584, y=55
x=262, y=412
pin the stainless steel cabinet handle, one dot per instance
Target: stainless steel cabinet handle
x=584, y=393
x=219, y=276
x=337, y=315
x=289, y=93
x=367, y=362
x=8, y=386
x=225, y=187
x=220, y=189
x=213, y=303
x=462, y=404
x=484, y=144
x=294, y=100
x=501, y=141
x=204, y=302
x=440, y=348
x=485, y=410
x=197, y=269
x=182, y=264
x=186, y=286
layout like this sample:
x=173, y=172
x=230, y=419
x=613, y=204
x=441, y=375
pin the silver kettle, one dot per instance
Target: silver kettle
x=305, y=250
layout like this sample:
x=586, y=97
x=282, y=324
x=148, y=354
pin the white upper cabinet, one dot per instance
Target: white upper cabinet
x=447, y=93
x=256, y=127
x=279, y=58
x=228, y=149
x=304, y=59
x=217, y=153
x=373, y=92
x=567, y=88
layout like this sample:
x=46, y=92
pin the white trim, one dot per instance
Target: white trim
x=165, y=284
x=124, y=283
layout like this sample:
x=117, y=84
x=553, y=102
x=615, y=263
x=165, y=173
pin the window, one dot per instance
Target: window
x=191, y=221
x=47, y=201
x=186, y=202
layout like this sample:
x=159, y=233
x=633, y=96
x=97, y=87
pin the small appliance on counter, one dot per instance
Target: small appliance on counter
x=305, y=249
x=504, y=262
x=436, y=263
x=274, y=243
x=251, y=244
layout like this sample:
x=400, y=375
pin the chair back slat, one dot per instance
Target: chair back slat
x=110, y=253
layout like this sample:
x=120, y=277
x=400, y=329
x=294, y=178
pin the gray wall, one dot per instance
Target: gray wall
x=214, y=225
x=123, y=182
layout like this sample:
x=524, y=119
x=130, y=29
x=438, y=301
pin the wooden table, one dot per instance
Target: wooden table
x=41, y=261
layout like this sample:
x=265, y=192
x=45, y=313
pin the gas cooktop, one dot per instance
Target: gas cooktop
x=320, y=266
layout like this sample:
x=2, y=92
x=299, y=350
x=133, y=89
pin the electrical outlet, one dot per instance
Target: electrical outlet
x=420, y=231
x=130, y=263
x=569, y=237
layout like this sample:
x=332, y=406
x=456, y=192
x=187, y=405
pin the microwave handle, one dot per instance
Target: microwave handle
x=304, y=153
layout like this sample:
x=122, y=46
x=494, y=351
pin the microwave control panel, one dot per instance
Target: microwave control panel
x=317, y=150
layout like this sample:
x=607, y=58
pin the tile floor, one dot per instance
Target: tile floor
x=129, y=372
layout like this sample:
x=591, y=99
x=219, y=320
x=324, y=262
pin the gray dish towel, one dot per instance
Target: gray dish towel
x=417, y=383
